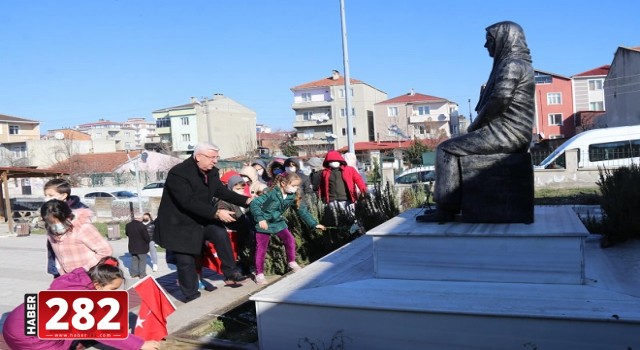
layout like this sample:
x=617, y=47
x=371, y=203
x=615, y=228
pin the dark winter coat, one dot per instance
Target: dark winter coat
x=138, y=237
x=350, y=176
x=186, y=207
x=305, y=182
x=271, y=207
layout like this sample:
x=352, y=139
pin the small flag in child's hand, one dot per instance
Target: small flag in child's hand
x=154, y=310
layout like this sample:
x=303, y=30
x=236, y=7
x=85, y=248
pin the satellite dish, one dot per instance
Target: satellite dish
x=58, y=135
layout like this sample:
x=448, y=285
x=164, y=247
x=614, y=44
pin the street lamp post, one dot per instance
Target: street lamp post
x=347, y=79
x=136, y=163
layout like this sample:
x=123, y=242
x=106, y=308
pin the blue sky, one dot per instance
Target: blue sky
x=69, y=62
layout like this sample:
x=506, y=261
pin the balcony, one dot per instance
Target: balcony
x=311, y=104
x=318, y=120
x=310, y=142
x=425, y=118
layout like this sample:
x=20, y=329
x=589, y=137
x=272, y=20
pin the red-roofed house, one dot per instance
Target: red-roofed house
x=90, y=169
x=320, y=108
x=622, y=88
x=588, y=91
x=415, y=115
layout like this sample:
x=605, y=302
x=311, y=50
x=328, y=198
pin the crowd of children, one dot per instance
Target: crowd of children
x=79, y=257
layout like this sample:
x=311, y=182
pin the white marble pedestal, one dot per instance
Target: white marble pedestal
x=409, y=285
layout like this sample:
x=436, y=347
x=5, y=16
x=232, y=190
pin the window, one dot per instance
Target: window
x=186, y=137
x=344, y=131
x=421, y=129
x=341, y=93
x=596, y=106
x=184, y=120
x=612, y=150
x=307, y=115
x=595, y=84
x=308, y=134
x=127, y=134
x=19, y=151
x=541, y=78
x=392, y=111
x=306, y=97
x=555, y=119
x=554, y=98
x=424, y=110
x=343, y=112
x=163, y=123
x=14, y=129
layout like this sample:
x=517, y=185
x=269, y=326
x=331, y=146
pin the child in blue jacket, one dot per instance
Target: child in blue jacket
x=268, y=210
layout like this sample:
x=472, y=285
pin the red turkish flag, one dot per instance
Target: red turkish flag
x=210, y=257
x=154, y=310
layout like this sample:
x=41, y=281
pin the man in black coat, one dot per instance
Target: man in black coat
x=187, y=217
x=138, y=247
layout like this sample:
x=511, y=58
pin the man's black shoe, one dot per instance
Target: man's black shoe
x=208, y=286
x=235, y=278
x=193, y=297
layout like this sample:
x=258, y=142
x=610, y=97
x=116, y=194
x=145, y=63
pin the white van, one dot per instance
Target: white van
x=607, y=147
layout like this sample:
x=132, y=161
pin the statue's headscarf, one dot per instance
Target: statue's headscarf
x=510, y=43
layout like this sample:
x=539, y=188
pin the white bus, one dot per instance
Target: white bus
x=607, y=147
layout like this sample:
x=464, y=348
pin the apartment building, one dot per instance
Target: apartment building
x=417, y=116
x=554, y=106
x=14, y=134
x=219, y=120
x=122, y=133
x=622, y=88
x=588, y=96
x=320, y=113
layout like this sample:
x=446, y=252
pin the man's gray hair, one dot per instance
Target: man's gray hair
x=205, y=146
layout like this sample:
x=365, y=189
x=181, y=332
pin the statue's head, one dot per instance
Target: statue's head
x=506, y=39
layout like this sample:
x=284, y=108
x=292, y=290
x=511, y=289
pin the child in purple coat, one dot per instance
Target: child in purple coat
x=106, y=275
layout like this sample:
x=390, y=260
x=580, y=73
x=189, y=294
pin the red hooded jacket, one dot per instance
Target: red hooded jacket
x=350, y=176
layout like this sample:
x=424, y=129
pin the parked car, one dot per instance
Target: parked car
x=90, y=198
x=124, y=194
x=417, y=175
x=153, y=189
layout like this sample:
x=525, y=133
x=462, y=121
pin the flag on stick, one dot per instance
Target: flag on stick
x=154, y=310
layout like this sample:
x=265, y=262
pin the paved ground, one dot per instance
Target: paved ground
x=23, y=270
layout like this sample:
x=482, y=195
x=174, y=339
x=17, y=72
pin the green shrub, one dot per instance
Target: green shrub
x=620, y=202
x=313, y=244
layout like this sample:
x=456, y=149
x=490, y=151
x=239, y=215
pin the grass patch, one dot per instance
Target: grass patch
x=568, y=196
x=238, y=325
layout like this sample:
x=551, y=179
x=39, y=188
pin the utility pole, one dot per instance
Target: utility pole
x=470, y=114
x=347, y=79
x=205, y=107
